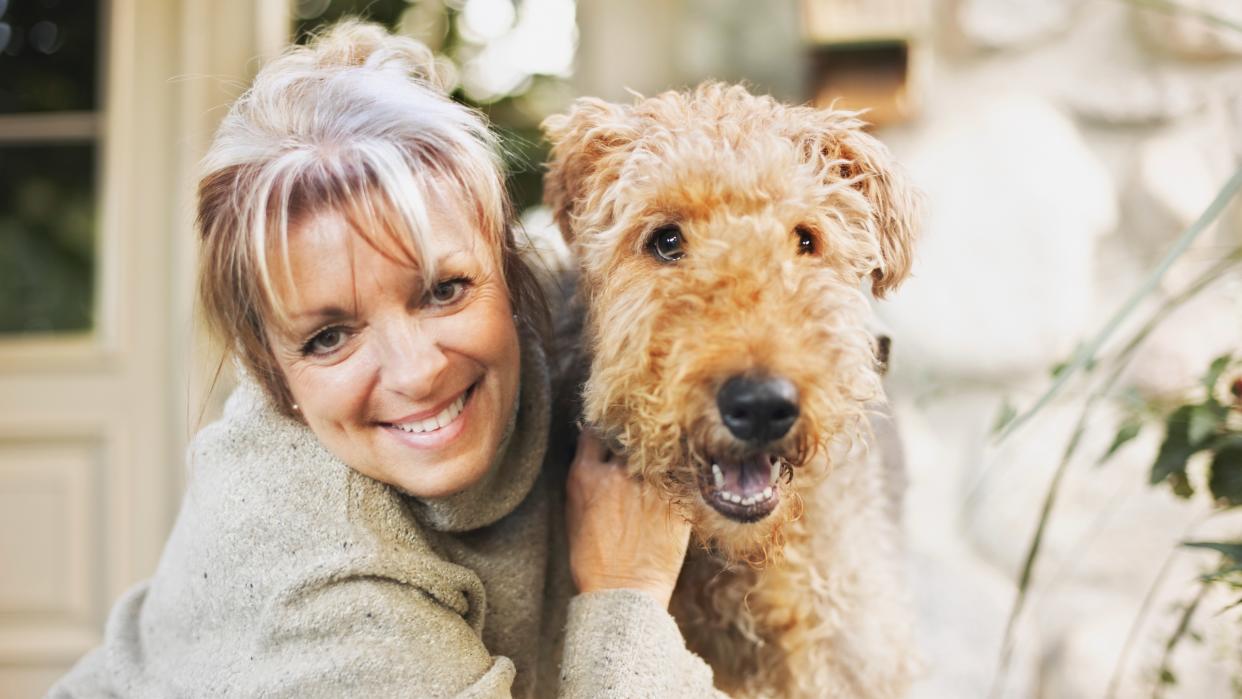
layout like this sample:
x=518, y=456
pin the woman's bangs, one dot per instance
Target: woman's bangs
x=395, y=231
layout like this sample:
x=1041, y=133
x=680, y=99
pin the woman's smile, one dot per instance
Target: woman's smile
x=434, y=429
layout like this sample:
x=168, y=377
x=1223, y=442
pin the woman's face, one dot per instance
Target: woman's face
x=413, y=389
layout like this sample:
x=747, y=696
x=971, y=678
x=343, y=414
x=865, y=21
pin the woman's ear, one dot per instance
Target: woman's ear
x=583, y=142
x=835, y=143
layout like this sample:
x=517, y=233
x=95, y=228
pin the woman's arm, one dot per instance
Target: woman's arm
x=347, y=635
x=626, y=548
x=373, y=636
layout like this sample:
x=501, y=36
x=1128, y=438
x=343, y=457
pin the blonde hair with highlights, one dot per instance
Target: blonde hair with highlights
x=356, y=122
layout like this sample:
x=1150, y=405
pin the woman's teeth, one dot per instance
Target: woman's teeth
x=432, y=424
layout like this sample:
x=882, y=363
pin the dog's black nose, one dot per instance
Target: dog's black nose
x=758, y=410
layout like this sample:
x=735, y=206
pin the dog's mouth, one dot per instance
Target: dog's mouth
x=746, y=489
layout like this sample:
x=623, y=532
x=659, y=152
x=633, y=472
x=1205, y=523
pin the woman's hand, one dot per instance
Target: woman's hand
x=621, y=533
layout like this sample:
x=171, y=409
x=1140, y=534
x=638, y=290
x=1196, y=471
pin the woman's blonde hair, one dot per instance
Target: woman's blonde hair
x=357, y=123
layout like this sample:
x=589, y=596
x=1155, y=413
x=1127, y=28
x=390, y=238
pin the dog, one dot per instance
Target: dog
x=724, y=243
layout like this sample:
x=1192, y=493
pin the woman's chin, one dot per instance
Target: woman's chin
x=444, y=481
x=445, y=461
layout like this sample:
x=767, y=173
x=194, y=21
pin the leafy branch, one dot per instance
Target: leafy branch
x=1086, y=360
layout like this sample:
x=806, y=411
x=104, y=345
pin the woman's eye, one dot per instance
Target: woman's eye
x=325, y=342
x=806, y=241
x=447, y=291
x=666, y=244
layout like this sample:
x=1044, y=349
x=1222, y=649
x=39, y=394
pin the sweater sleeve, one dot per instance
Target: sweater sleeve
x=373, y=636
x=621, y=643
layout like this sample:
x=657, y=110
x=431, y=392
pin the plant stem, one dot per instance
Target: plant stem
x=1183, y=624
x=1120, y=362
x=1032, y=554
x=1123, y=356
x=1086, y=354
x=1144, y=609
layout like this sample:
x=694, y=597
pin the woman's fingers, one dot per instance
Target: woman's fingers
x=590, y=449
x=622, y=533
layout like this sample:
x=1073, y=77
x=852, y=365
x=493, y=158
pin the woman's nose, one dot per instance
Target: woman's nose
x=412, y=360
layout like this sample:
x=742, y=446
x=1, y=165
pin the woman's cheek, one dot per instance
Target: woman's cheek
x=337, y=392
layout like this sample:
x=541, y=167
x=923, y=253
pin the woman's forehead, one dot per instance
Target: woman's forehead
x=328, y=234
x=331, y=254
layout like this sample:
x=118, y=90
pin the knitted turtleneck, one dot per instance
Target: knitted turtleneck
x=289, y=574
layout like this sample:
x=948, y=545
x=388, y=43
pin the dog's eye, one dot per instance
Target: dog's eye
x=666, y=244
x=806, y=240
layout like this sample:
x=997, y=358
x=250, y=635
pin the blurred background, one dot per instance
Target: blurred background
x=1081, y=235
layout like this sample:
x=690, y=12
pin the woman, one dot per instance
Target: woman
x=371, y=517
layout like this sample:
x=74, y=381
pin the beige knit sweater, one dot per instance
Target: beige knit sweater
x=288, y=574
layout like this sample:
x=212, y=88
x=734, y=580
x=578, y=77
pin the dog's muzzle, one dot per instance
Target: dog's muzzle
x=757, y=411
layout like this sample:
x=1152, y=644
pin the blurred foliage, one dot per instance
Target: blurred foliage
x=1203, y=425
x=47, y=237
x=49, y=55
x=515, y=113
x=49, y=62
x=1208, y=424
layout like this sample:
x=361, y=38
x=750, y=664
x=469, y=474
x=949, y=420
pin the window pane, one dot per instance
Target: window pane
x=48, y=55
x=47, y=237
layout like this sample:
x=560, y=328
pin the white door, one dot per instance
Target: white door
x=105, y=109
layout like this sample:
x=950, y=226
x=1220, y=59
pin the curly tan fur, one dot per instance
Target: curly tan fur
x=807, y=601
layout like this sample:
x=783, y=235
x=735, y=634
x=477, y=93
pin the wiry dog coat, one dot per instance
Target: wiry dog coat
x=723, y=243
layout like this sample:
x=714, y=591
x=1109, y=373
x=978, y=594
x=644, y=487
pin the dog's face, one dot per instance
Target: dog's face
x=723, y=241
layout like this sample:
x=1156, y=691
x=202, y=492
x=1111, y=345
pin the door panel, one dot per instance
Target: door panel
x=95, y=412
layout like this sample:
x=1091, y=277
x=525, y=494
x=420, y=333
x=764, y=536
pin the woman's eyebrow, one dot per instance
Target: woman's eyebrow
x=322, y=314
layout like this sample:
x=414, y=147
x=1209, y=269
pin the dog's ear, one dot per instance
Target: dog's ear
x=835, y=143
x=582, y=140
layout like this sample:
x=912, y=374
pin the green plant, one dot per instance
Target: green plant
x=1206, y=422
x=1098, y=373
x=1210, y=424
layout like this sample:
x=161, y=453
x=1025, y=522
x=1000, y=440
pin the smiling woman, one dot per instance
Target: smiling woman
x=406, y=384
x=373, y=515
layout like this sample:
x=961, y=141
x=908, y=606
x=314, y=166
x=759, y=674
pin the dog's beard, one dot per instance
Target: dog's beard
x=679, y=459
x=661, y=413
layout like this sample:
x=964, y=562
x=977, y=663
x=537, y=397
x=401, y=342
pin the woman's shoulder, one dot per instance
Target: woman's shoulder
x=269, y=511
x=278, y=546
x=251, y=433
x=263, y=484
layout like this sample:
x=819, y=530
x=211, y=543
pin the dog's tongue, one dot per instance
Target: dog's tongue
x=748, y=476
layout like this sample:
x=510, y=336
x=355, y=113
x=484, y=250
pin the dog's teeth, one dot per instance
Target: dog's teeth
x=767, y=492
x=735, y=498
x=717, y=475
x=776, y=471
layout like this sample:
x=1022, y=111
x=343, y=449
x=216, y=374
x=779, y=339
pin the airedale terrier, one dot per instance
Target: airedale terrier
x=723, y=243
